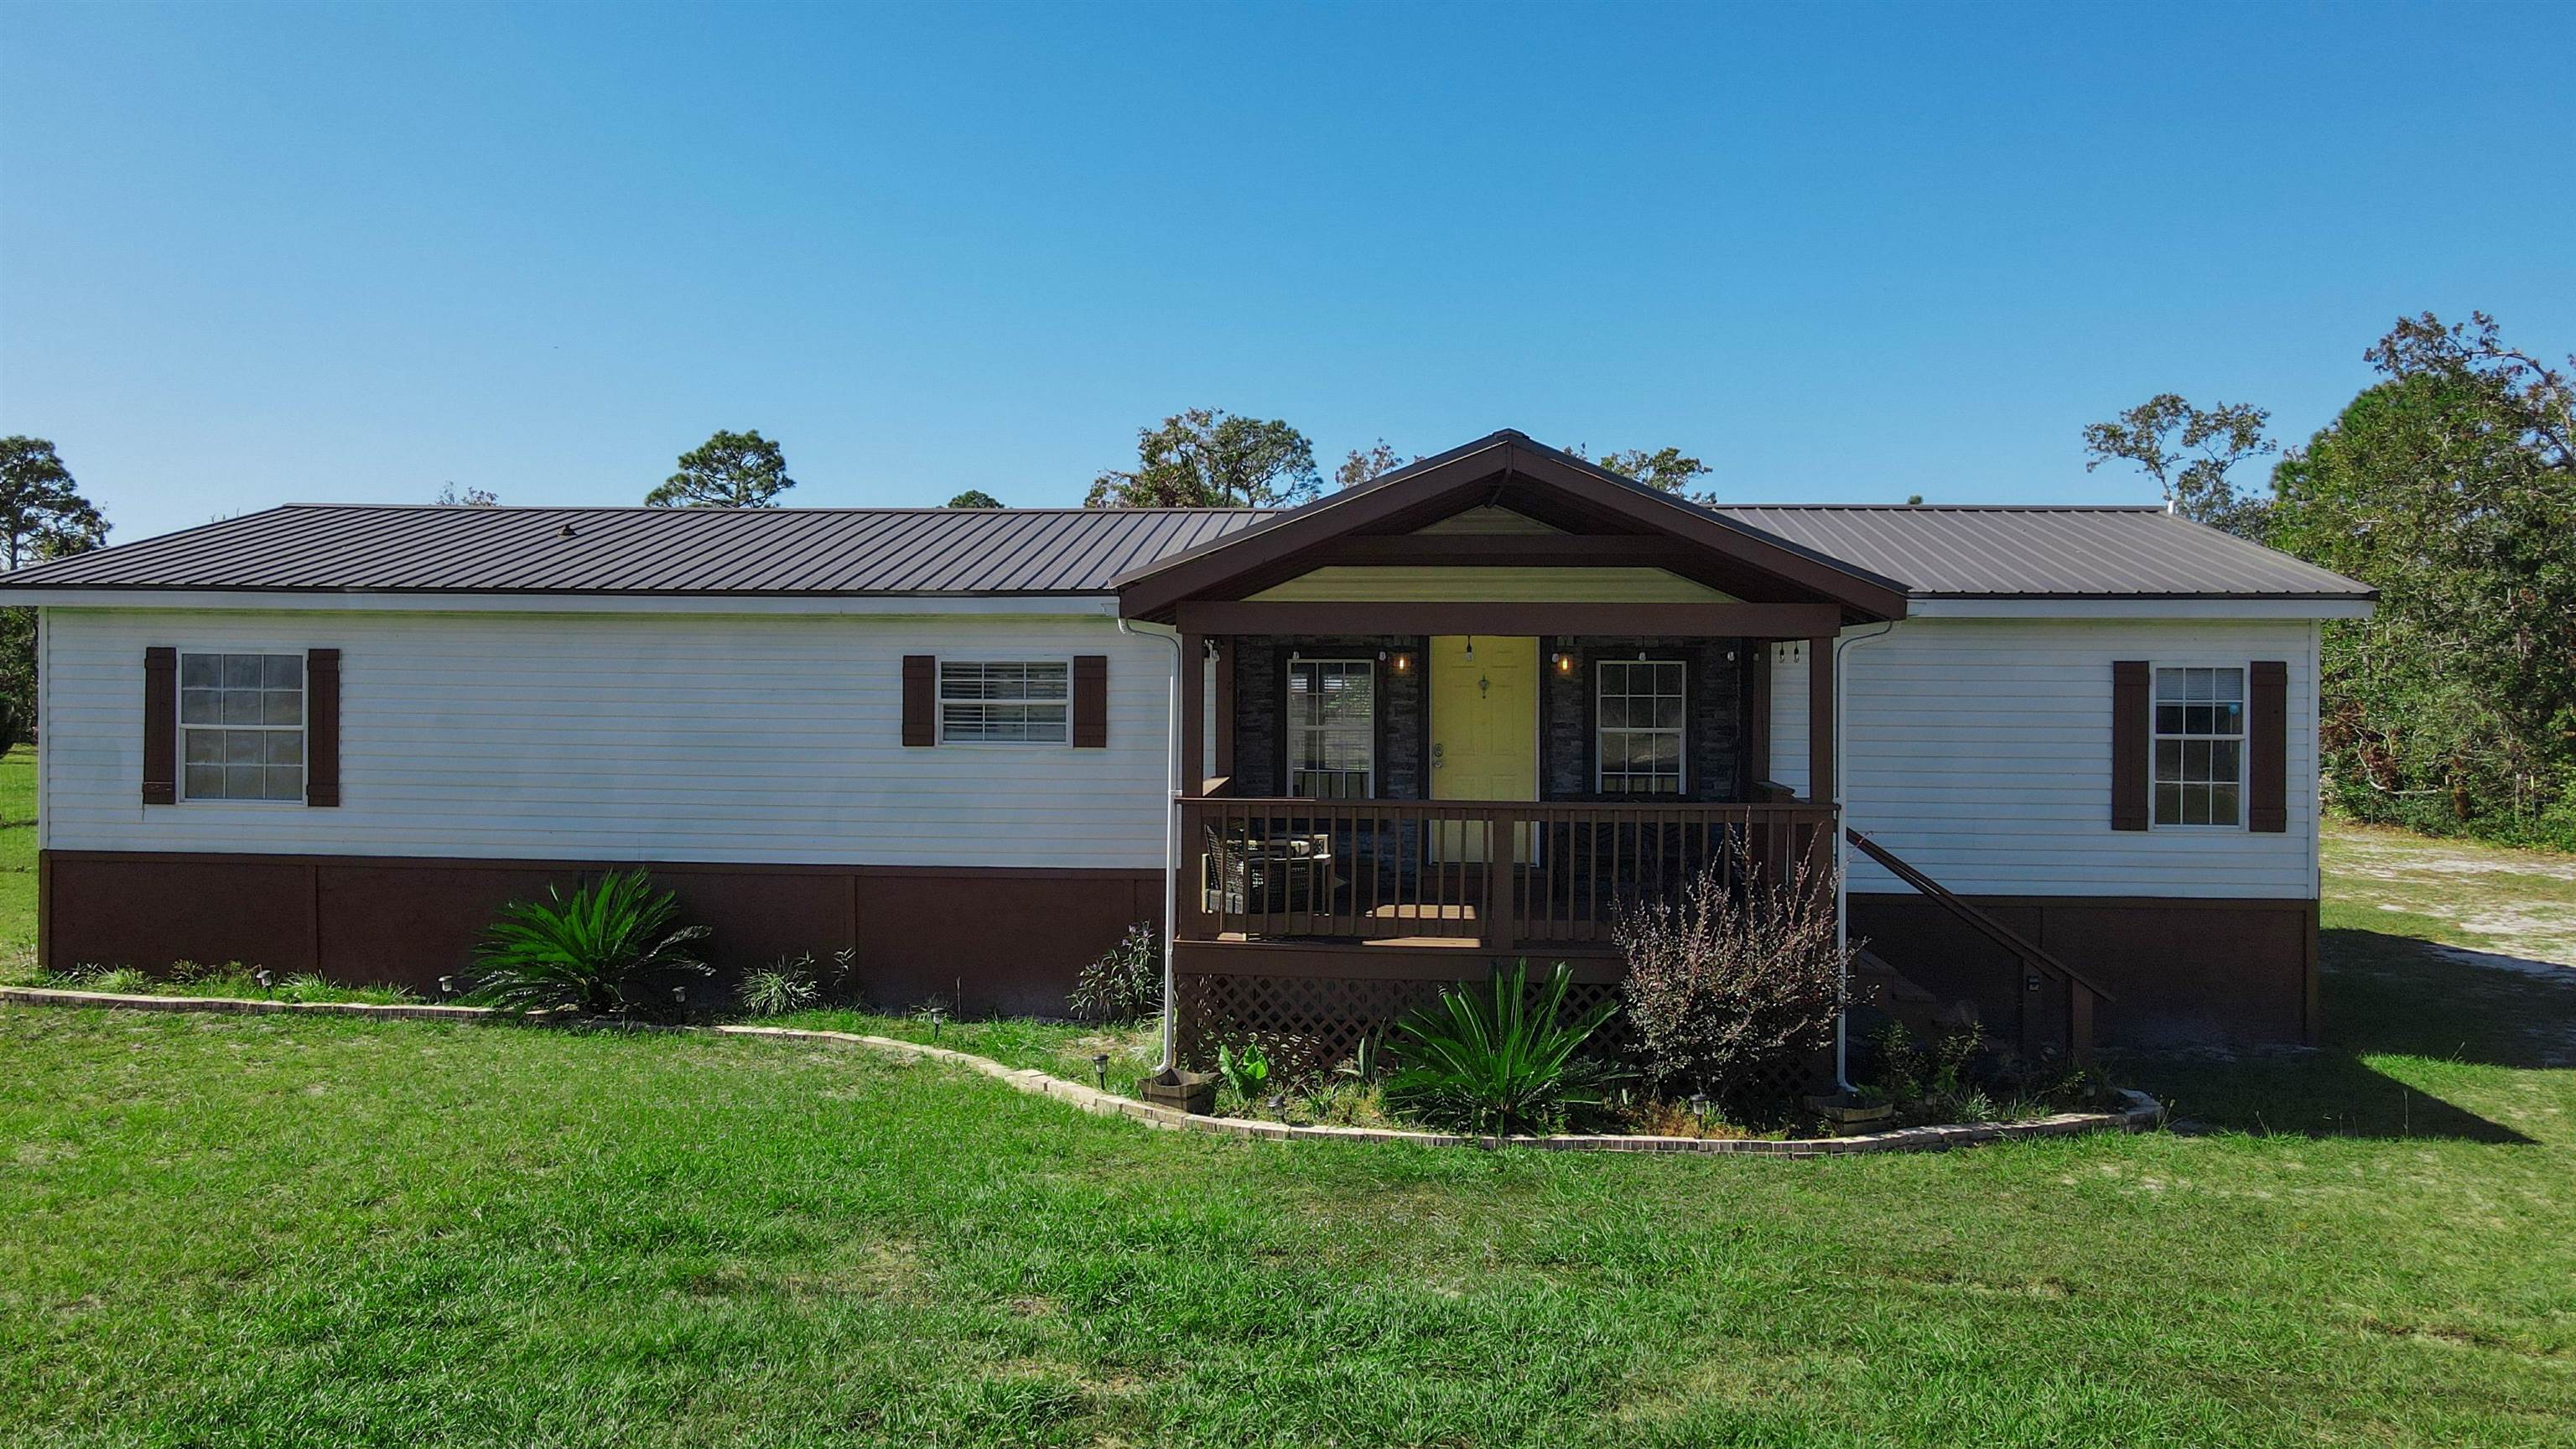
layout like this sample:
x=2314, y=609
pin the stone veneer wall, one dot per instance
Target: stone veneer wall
x=1260, y=677
x=1713, y=692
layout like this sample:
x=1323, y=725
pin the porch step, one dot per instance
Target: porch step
x=1439, y=943
x=1876, y=983
x=1415, y=911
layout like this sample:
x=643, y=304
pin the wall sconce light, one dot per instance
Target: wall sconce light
x=1403, y=662
x=1564, y=662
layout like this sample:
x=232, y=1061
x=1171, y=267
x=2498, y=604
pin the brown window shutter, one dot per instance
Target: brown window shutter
x=921, y=699
x=2267, y=747
x=1090, y=701
x=321, y=726
x=160, y=726
x=2129, y=721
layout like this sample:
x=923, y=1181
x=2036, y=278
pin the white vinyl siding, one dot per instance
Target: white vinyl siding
x=1980, y=751
x=687, y=738
x=1789, y=716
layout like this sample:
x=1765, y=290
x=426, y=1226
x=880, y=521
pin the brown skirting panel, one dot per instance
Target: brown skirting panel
x=1012, y=940
x=2184, y=971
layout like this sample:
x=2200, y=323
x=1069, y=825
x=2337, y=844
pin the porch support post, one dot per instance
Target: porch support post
x=1225, y=707
x=1820, y=720
x=1193, y=713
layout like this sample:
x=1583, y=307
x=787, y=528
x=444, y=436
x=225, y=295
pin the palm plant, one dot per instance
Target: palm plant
x=601, y=951
x=1501, y=1061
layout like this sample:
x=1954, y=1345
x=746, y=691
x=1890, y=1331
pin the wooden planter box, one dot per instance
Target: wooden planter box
x=1192, y=1092
x=1840, y=1110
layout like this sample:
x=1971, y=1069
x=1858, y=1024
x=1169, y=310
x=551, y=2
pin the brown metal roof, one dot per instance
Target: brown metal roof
x=1987, y=552
x=649, y=550
x=1932, y=551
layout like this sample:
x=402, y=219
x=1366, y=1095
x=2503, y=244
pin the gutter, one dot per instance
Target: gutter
x=1842, y=841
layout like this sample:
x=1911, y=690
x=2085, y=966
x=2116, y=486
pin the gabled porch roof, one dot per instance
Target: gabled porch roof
x=1599, y=520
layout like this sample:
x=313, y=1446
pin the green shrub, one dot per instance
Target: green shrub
x=786, y=985
x=116, y=980
x=608, y=949
x=1726, y=987
x=1500, y=1060
x=1126, y=983
x=1246, y=1069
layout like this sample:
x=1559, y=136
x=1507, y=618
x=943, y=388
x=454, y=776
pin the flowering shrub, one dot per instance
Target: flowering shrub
x=1727, y=986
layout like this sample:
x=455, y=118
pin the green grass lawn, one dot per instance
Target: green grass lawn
x=272, y=1231
x=18, y=853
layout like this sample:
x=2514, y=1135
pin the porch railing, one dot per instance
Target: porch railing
x=1490, y=874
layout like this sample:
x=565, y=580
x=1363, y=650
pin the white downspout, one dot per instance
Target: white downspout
x=1171, y=832
x=1842, y=844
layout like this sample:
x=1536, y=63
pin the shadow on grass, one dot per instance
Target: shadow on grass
x=2384, y=996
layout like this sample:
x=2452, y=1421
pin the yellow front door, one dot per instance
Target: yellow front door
x=1484, y=728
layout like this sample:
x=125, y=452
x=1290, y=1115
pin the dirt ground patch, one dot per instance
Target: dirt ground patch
x=2510, y=909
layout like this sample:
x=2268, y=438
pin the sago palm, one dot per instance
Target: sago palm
x=1499, y=1061
x=601, y=951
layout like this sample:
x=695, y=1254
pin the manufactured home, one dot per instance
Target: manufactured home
x=2056, y=762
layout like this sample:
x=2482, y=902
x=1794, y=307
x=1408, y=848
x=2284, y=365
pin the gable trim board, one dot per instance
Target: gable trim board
x=1539, y=479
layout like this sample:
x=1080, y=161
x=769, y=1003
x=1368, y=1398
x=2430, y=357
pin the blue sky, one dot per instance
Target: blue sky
x=251, y=255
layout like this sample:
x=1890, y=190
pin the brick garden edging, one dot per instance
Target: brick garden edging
x=2141, y=1113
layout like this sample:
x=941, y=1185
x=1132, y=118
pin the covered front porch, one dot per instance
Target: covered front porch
x=1469, y=712
x=1372, y=790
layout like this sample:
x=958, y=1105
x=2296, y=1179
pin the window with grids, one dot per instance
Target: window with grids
x=1640, y=726
x=1332, y=728
x=1028, y=703
x=2200, y=746
x=241, y=726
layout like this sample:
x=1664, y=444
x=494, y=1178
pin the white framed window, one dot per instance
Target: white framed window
x=1332, y=728
x=2200, y=746
x=241, y=726
x=1011, y=702
x=1637, y=724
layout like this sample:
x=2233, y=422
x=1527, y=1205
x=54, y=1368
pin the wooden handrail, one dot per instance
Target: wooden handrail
x=2081, y=990
x=1949, y=900
x=1502, y=875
